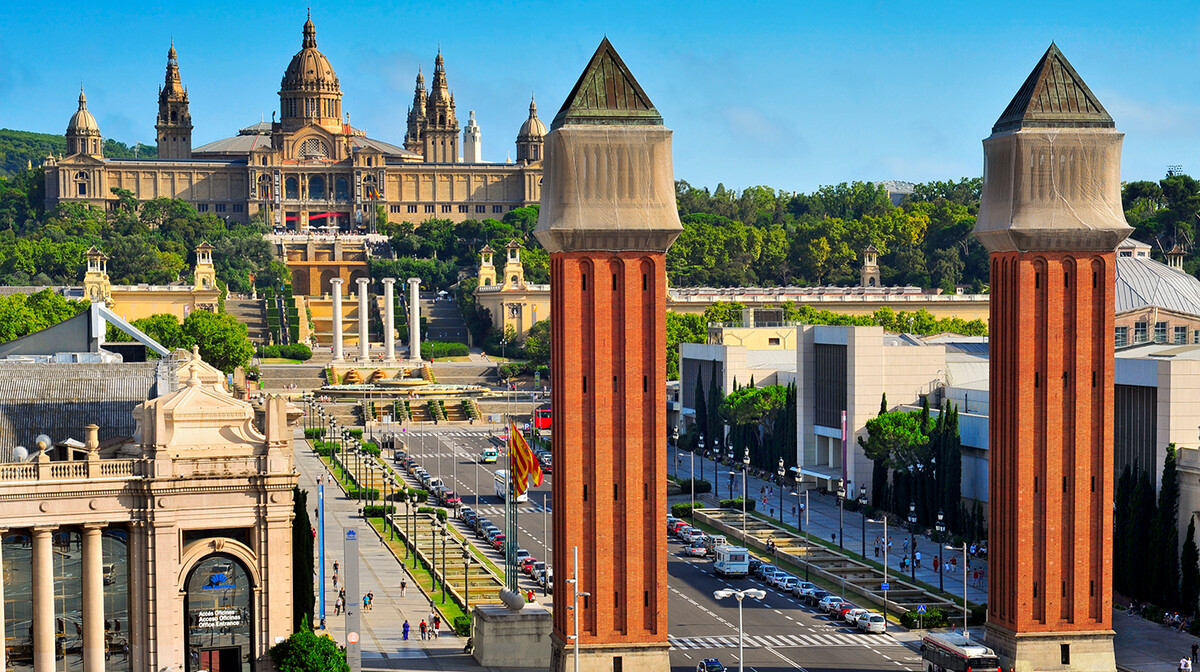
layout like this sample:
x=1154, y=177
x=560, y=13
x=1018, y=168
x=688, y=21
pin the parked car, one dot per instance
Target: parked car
x=671, y=520
x=498, y=541
x=815, y=596
x=801, y=589
x=755, y=563
x=522, y=554
x=536, y=569
x=710, y=665
x=851, y=616
x=776, y=576
x=827, y=602
x=696, y=550
x=677, y=526
x=765, y=570
x=692, y=536
x=872, y=623
x=785, y=584
x=547, y=463
x=840, y=612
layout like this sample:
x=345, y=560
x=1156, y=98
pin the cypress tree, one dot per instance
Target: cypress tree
x=701, y=407
x=1122, y=532
x=303, y=586
x=716, y=395
x=1166, y=531
x=1189, y=565
x=883, y=407
x=952, y=469
x=1143, y=511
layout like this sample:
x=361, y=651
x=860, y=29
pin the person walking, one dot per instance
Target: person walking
x=1195, y=650
x=917, y=558
x=437, y=625
x=936, y=565
x=405, y=629
x=403, y=587
x=366, y=602
x=424, y=629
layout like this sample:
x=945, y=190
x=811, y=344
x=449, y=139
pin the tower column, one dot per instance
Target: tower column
x=389, y=320
x=364, y=343
x=336, y=285
x=93, y=599
x=414, y=319
x=43, y=599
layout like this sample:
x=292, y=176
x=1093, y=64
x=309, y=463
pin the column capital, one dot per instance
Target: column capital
x=363, y=282
x=94, y=527
x=389, y=281
x=43, y=529
x=414, y=281
x=336, y=281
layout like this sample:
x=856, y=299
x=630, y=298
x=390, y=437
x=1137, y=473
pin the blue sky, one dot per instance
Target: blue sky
x=792, y=95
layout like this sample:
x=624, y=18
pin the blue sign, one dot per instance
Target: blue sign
x=219, y=581
x=351, y=535
x=884, y=586
x=920, y=608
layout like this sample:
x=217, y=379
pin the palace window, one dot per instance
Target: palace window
x=429, y=208
x=291, y=188
x=395, y=209
x=412, y=209
x=446, y=208
x=1181, y=335
x=313, y=148
x=316, y=187
x=481, y=209
x=464, y=208
x=497, y=208
x=202, y=207
x=1122, y=337
x=341, y=189
x=1160, y=332
x=219, y=207
x=1139, y=332
x=239, y=207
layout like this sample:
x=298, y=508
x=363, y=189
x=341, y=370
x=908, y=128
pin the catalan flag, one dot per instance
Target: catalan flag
x=522, y=461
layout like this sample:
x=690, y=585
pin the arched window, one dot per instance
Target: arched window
x=263, y=161
x=219, y=616
x=174, y=116
x=291, y=188
x=514, y=279
x=341, y=189
x=316, y=187
x=871, y=282
x=313, y=148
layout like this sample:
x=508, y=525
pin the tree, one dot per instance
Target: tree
x=222, y=339
x=1165, y=548
x=306, y=651
x=701, y=408
x=682, y=328
x=1143, y=537
x=1189, y=565
x=302, y=560
x=1123, y=533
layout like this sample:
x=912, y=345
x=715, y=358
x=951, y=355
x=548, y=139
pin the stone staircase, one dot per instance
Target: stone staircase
x=464, y=373
x=253, y=314
x=444, y=320
x=278, y=376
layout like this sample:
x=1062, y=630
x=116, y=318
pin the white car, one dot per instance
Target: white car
x=851, y=616
x=802, y=588
x=785, y=584
x=775, y=577
x=828, y=601
x=872, y=623
x=692, y=536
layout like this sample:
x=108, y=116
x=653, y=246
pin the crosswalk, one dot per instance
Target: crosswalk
x=783, y=641
x=459, y=434
x=499, y=510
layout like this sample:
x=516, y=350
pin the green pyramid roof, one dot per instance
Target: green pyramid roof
x=607, y=93
x=1053, y=96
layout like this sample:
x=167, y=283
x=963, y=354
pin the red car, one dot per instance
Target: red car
x=498, y=542
x=527, y=564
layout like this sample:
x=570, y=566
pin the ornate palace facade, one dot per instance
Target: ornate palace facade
x=310, y=169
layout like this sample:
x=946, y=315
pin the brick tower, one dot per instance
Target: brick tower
x=1051, y=218
x=607, y=218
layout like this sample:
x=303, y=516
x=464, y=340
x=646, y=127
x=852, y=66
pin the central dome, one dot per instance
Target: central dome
x=309, y=93
x=309, y=70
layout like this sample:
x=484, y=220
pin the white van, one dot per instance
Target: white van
x=732, y=561
x=488, y=455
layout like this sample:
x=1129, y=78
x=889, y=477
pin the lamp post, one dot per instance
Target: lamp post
x=940, y=526
x=700, y=447
x=692, y=478
x=781, y=472
x=841, y=496
x=740, y=595
x=445, y=533
x=885, y=572
x=912, y=538
x=731, y=476
x=433, y=552
x=745, y=471
x=862, y=510
x=574, y=582
x=466, y=558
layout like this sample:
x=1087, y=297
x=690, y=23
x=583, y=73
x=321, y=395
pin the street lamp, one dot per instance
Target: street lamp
x=841, y=496
x=745, y=471
x=862, y=510
x=964, y=573
x=740, y=595
x=692, y=478
x=445, y=533
x=782, y=472
x=700, y=447
x=912, y=538
x=466, y=558
x=574, y=582
x=940, y=526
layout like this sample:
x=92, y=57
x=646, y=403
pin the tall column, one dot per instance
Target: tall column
x=414, y=319
x=389, y=320
x=336, y=284
x=93, y=599
x=43, y=600
x=3, y=641
x=364, y=343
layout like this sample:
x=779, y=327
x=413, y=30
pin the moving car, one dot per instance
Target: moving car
x=489, y=455
x=696, y=550
x=731, y=561
x=710, y=665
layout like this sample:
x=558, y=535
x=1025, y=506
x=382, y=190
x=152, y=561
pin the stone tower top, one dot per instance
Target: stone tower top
x=607, y=93
x=1052, y=168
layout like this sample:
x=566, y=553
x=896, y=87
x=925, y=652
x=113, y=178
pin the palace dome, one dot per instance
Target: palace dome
x=309, y=69
x=533, y=128
x=82, y=122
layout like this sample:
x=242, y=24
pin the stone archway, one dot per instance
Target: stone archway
x=327, y=287
x=300, y=281
x=219, y=619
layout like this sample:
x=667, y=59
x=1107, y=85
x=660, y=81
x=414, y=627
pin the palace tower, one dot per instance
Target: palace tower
x=174, y=123
x=1051, y=218
x=608, y=216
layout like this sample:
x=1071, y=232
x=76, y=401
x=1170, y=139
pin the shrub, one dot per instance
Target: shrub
x=417, y=495
x=702, y=486
x=314, y=433
x=440, y=513
x=295, y=351
x=737, y=504
x=462, y=625
x=356, y=433
x=683, y=510
x=323, y=451
x=933, y=618
x=371, y=449
x=352, y=492
x=306, y=651
x=378, y=510
x=434, y=349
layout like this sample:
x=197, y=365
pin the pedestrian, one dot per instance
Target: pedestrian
x=335, y=566
x=403, y=587
x=917, y=558
x=876, y=545
x=1183, y=663
x=335, y=580
x=406, y=629
x=366, y=602
x=935, y=565
x=437, y=625
x=1195, y=650
x=906, y=545
x=424, y=629
x=794, y=511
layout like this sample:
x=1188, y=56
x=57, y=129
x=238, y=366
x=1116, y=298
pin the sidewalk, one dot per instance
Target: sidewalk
x=823, y=524
x=383, y=644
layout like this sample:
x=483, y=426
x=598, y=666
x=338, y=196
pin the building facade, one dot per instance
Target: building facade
x=1051, y=219
x=310, y=170
x=607, y=230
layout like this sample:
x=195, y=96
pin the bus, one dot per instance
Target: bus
x=953, y=652
x=502, y=486
x=541, y=418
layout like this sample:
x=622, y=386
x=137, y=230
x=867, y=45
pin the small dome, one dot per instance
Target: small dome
x=82, y=122
x=309, y=69
x=533, y=128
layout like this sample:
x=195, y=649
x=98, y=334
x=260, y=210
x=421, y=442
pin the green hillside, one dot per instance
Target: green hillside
x=18, y=149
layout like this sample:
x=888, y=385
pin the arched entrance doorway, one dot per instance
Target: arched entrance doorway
x=218, y=609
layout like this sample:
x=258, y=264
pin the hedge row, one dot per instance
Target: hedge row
x=683, y=510
x=433, y=349
x=314, y=432
x=439, y=512
x=702, y=486
x=367, y=493
x=378, y=510
x=462, y=625
x=296, y=351
x=737, y=504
